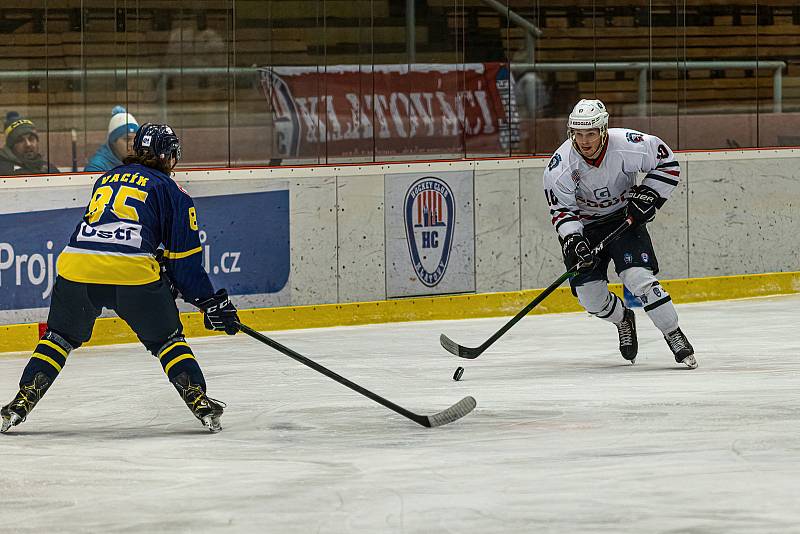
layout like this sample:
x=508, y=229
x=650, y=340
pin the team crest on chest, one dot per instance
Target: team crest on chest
x=429, y=215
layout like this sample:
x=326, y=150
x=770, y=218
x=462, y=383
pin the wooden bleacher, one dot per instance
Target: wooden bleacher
x=617, y=35
x=91, y=35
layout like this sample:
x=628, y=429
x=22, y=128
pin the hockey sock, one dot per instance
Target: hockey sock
x=49, y=357
x=657, y=302
x=600, y=302
x=659, y=307
x=176, y=357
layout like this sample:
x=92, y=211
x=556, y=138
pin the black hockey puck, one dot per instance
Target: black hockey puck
x=458, y=373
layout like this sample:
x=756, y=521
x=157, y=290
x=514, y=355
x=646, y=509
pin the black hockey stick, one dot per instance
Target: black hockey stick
x=471, y=353
x=453, y=413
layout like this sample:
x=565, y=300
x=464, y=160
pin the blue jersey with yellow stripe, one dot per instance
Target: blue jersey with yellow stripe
x=134, y=210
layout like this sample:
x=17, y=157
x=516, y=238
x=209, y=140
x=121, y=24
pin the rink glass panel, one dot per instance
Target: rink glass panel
x=18, y=53
x=779, y=39
x=79, y=59
x=197, y=105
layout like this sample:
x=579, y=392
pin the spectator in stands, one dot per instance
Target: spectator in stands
x=21, y=155
x=532, y=91
x=195, y=44
x=122, y=130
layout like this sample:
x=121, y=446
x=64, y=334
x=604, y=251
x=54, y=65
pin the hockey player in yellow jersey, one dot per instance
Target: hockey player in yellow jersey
x=136, y=213
x=591, y=186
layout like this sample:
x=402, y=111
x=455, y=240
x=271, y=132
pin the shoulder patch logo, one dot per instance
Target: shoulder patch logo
x=634, y=137
x=554, y=161
x=429, y=217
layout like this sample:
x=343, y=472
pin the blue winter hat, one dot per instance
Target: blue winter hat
x=121, y=123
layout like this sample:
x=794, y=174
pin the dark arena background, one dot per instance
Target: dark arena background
x=366, y=177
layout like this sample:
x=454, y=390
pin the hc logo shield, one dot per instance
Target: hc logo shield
x=429, y=215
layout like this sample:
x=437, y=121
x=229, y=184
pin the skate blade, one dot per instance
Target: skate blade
x=690, y=362
x=12, y=420
x=213, y=425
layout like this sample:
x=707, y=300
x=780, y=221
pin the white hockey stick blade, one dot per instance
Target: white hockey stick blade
x=453, y=413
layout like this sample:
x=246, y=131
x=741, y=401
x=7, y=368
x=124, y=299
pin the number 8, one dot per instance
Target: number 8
x=192, y=218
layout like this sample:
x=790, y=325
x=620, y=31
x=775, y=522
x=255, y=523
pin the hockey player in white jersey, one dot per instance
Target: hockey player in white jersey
x=591, y=187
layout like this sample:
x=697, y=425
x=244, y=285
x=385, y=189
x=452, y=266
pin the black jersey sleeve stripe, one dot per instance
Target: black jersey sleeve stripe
x=566, y=220
x=664, y=179
x=559, y=210
x=667, y=165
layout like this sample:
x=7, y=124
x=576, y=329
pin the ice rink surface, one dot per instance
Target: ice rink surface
x=567, y=437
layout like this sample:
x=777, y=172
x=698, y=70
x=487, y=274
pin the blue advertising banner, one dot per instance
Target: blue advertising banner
x=29, y=246
x=245, y=241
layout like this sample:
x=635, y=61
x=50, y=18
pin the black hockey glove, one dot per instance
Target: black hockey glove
x=642, y=203
x=220, y=313
x=578, y=253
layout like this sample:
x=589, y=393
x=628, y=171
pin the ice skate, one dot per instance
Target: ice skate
x=628, y=344
x=206, y=409
x=9, y=419
x=28, y=395
x=681, y=348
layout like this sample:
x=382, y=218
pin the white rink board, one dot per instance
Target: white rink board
x=497, y=231
x=447, y=263
x=566, y=438
x=732, y=213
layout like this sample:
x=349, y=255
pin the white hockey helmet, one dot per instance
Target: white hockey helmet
x=586, y=115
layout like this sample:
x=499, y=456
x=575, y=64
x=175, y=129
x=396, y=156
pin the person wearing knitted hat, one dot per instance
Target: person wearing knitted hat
x=20, y=154
x=122, y=129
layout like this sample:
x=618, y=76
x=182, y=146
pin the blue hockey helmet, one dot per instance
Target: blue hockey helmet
x=158, y=140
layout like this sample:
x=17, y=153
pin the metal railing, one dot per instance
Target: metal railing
x=161, y=74
x=531, y=30
x=644, y=67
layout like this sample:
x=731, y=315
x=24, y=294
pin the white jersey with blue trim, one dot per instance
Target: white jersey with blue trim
x=580, y=191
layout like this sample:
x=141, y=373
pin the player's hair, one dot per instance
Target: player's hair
x=149, y=160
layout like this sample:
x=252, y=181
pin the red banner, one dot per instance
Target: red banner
x=352, y=110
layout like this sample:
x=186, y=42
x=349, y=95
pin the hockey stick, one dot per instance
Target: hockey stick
x=453, y=413
x=470, y=353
